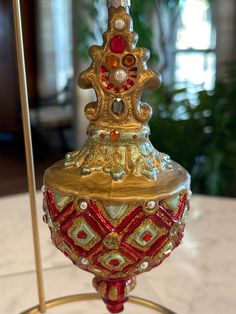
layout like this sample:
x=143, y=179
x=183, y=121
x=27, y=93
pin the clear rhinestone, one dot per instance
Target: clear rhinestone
x=119, y=24
x=118, y=106
x=68, y=156
x=83, y=205
x=84, y=261
x=151, y=205
x=120, y=75
x=144, y=265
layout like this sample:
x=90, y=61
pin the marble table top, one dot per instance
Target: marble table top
x=198, y=278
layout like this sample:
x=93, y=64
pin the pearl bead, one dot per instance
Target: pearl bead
x=151, y=205
x=120, y=75
x=144, y=265
x=83, y=205
x=119, y=24
x=84, y=261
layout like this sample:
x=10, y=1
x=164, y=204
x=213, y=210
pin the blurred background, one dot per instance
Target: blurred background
x=193, y=45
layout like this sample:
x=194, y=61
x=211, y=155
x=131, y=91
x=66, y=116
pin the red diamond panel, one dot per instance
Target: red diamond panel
x=101, y=227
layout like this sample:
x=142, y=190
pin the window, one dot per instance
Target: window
x=195, y=47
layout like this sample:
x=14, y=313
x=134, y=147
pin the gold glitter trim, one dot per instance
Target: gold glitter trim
x=112, y=241
x=113, y=294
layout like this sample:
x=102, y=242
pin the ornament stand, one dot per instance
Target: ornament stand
x=95, y=297
x=44, y=305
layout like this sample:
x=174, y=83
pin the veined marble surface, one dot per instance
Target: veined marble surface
x=198, y=278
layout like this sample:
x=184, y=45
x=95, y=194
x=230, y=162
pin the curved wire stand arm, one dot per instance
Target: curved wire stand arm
x=95, y=297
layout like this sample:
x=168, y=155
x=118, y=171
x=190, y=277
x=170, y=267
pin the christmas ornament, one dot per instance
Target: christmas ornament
x=117, y=207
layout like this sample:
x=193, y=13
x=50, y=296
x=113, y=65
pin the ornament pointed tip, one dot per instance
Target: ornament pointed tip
x=114, y=309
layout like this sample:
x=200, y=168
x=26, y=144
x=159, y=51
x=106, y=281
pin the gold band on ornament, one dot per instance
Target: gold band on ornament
x=119, y=3
x=123, y=134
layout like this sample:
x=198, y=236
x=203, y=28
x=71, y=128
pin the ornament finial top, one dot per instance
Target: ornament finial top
x=118, y=3
x=119, y=74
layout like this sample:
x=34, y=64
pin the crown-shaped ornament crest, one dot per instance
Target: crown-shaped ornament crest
x=118, y=133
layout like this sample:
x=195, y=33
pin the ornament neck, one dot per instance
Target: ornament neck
x=118, y=3
x=119, y=135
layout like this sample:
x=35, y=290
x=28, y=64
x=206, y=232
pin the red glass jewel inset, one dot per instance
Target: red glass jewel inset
x=110, y=86
x=103, y=69
x=105, y=78
x=114, y=262
x=82, y=235
x=130, y=82
x=118, y=44
x=147, y=236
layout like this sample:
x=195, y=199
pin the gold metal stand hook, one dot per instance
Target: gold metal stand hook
x=28, y=149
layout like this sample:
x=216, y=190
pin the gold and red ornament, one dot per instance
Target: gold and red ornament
x=117, y=207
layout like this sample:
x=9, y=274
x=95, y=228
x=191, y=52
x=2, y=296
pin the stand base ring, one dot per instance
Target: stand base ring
x=95, y=297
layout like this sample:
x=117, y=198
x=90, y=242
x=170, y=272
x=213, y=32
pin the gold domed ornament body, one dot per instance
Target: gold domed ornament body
x=117, y=207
